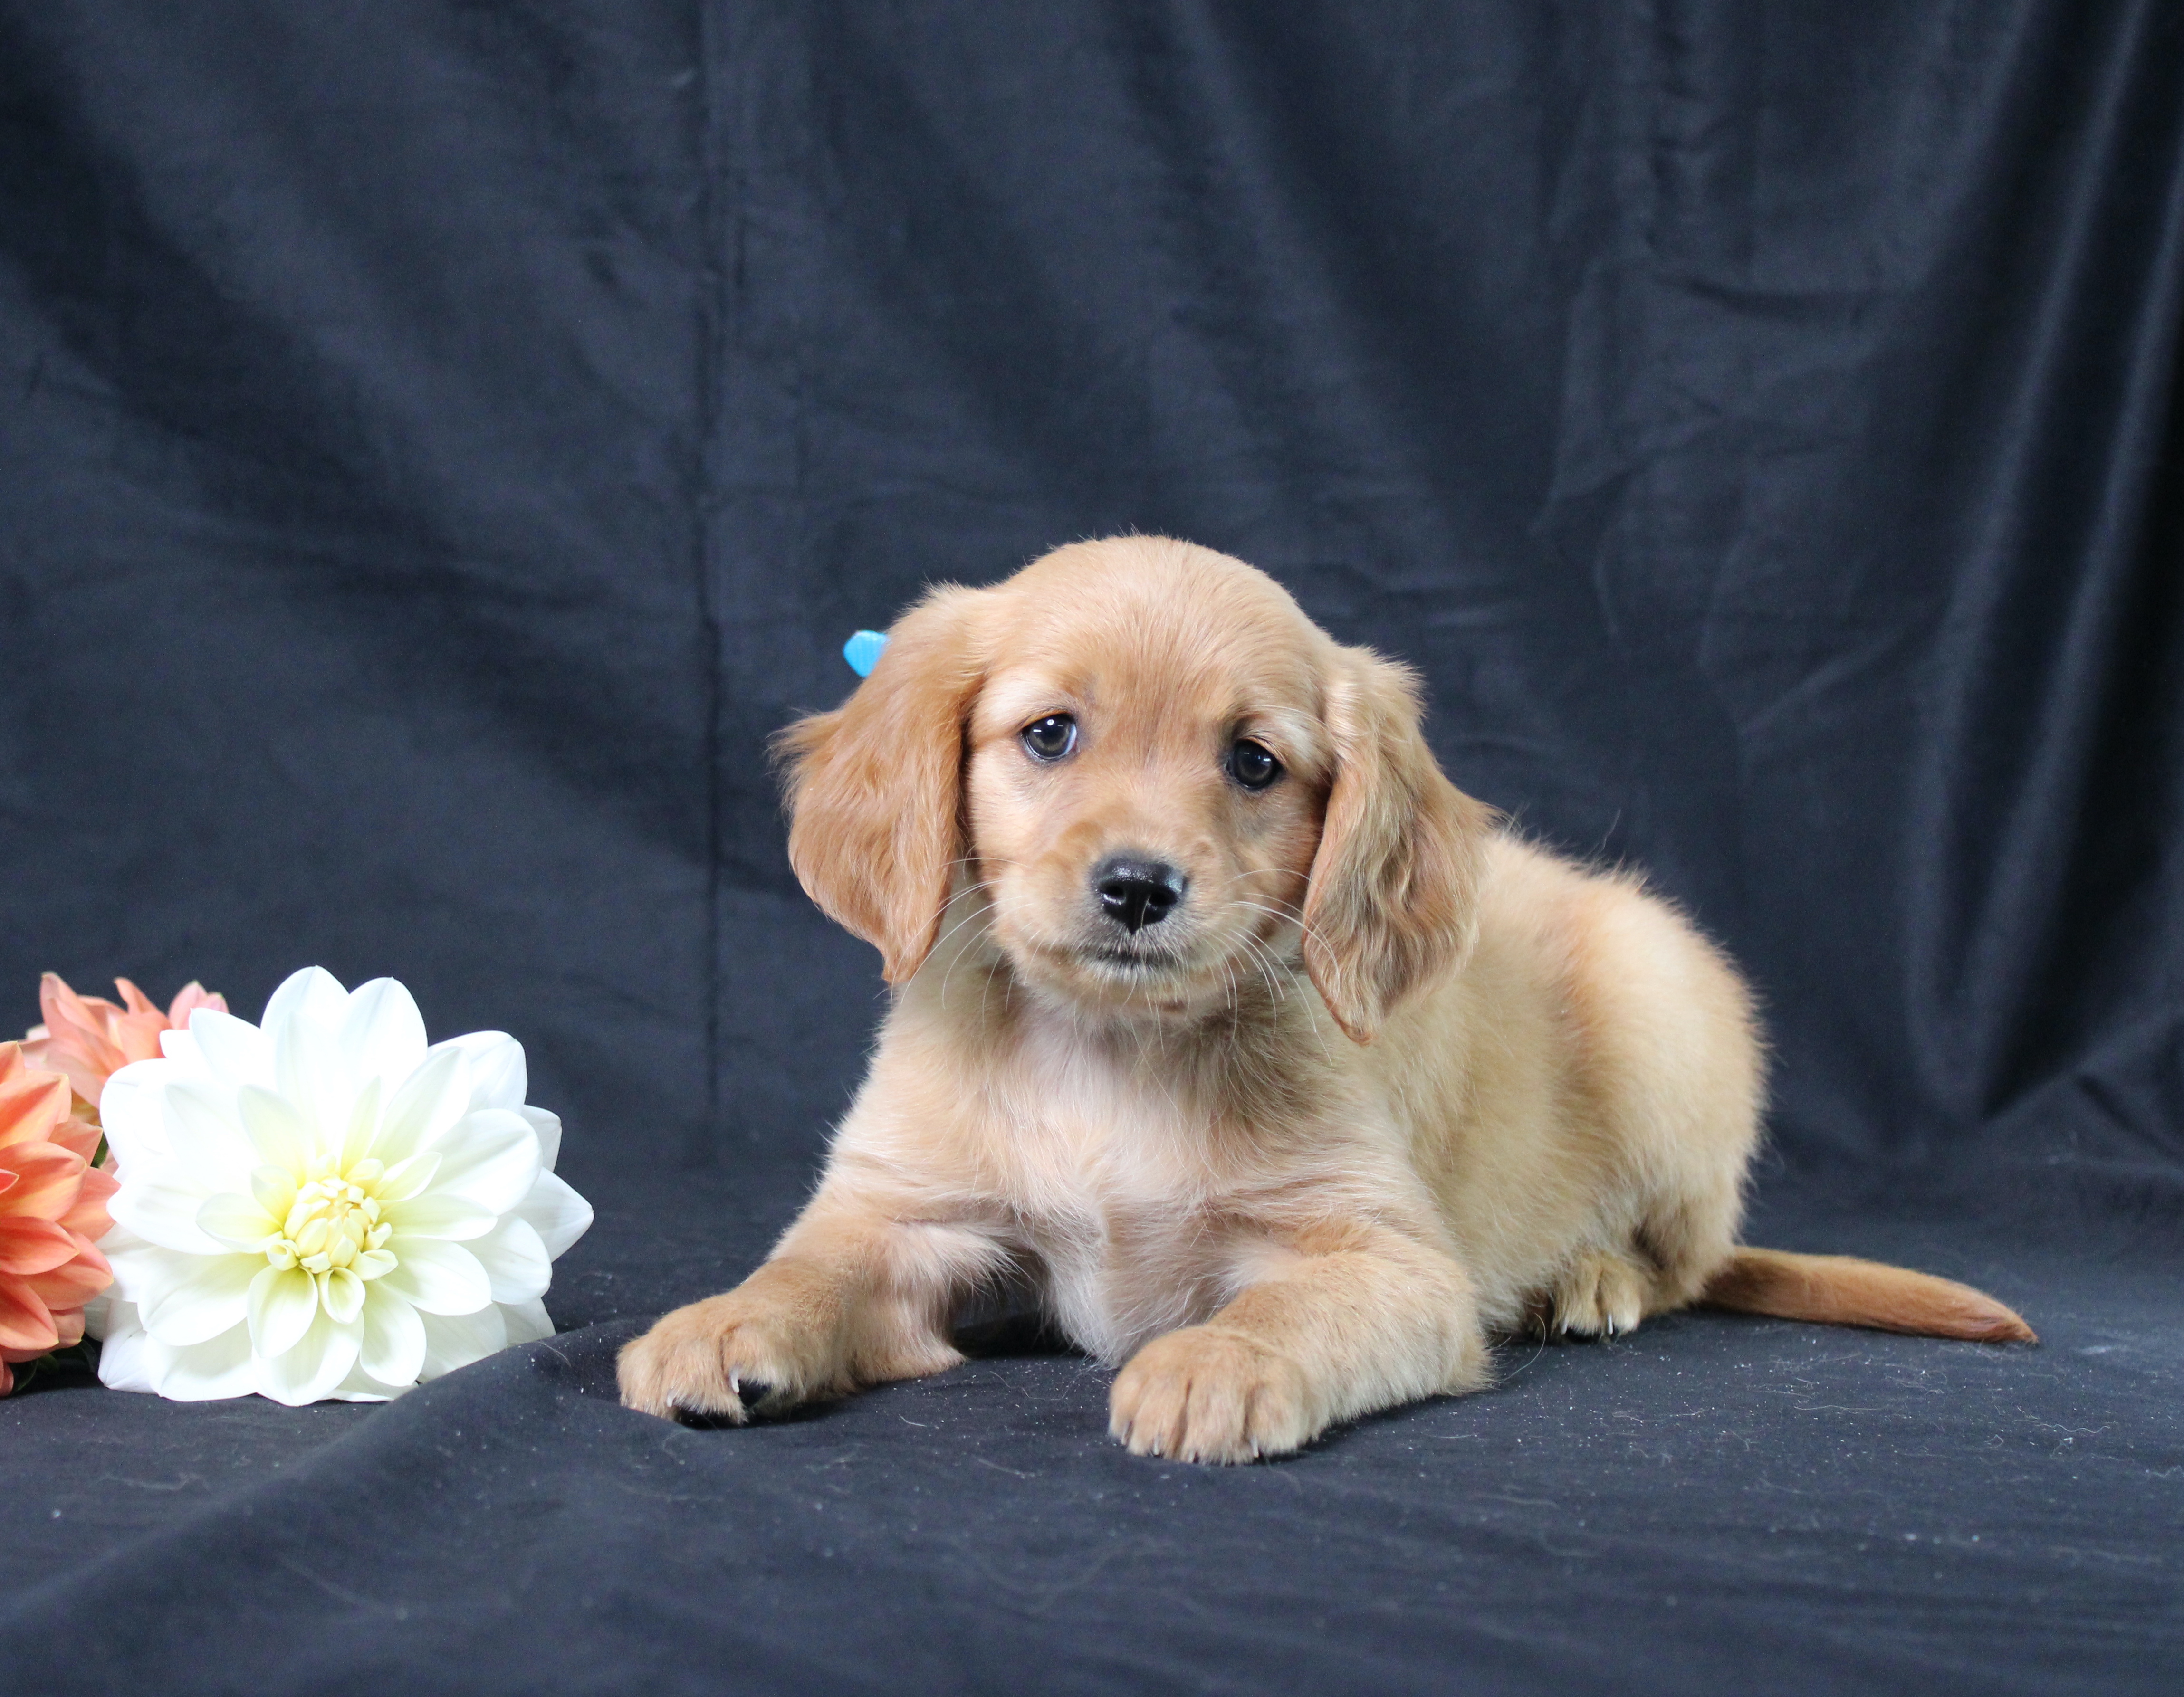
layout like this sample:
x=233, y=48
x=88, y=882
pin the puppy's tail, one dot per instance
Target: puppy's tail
x=1841, y=1290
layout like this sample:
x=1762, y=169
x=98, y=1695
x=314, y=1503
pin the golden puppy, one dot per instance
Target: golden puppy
x=1228, y=1023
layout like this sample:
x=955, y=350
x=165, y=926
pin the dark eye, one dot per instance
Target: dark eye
x=1051, y=737
x=1252, y=766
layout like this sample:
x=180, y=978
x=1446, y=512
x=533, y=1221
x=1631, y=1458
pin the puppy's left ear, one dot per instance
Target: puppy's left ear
x=1392, y=903
x=875, y=788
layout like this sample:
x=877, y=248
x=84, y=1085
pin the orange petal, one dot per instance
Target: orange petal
x=89, y=1215
x=31, y=1104
x=91, y=1219
x=25, y=1323
x=191, y=997
x=85, y=1061
x=49, y=1180
x=135, y=999
x=62, y=1007
x=137, y=1035
x=33, y=1245
x=69, y=1326
x=72, y=1283
x=69, y=1056
x=80, y=1026
x=79, y=1134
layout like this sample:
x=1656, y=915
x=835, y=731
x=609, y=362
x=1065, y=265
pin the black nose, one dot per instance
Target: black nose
x=1137, y=893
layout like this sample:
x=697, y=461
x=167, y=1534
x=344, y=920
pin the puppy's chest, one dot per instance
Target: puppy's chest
x=1111, y=1188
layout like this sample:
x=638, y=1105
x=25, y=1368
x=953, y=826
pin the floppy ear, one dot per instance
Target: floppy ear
x=1392, y=902
x=875, y=788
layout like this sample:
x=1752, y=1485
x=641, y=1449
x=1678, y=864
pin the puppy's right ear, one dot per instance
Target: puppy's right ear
x=875, y=788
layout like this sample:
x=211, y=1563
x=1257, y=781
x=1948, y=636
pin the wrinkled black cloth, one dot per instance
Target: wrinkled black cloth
x=439, y=443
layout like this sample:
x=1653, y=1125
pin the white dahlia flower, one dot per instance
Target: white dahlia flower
x=323, y=1206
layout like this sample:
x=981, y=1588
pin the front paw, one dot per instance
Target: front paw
x=1202, y=1394
x=727, y=1358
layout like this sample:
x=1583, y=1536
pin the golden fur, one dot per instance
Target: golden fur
x=1387, y=1081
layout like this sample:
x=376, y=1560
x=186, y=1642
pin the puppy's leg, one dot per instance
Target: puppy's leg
x=851, y=1296
x=1361, y=1318
x=1601, y=1295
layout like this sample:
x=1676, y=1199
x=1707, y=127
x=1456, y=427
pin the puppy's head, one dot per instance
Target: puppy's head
x=1163, y=780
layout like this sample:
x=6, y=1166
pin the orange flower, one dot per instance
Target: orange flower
x=53, y=1205
x=87, y=1039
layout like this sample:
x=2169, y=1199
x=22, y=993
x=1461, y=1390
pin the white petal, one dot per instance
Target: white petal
x=340, y=1294
x=310, y=1070
x=527, y=1322
x=548, y=1127
x=516, y=1262
x=394, y=1351
x=274, y=1189
x=436, y=1215
x=234, y=1051
x=283, y=1305
x=315, y=991
x=217, y=1368
x=498, y=1077
x=363, y=1123
x=204, y=1299
x=132, y=1109
x=453, y=1341
x=555, y=1212
x=119, y=1240
x=383, y=1033
x=203, y=1134
x=360, y=1387
x=315, y=1366
x=408, y=1179
x=160, y=1206
x=491, y=1158
x=178, y=1046
x=121, y=1363
x=243, y=1223
x=141, y=1269
x=431, y=1099
x=437, y=1278
x=278, y=1134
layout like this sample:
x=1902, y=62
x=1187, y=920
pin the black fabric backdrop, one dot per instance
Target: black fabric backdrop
x=439, y=442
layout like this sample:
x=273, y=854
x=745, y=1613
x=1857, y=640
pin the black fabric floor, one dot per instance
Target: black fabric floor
x=439, y=444
x=1713, y=1504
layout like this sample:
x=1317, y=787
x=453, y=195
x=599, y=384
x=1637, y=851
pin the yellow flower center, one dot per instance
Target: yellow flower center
x=334, y=1224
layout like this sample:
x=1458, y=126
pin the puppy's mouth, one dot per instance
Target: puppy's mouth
x=1140, y=961
x=1115, y=961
